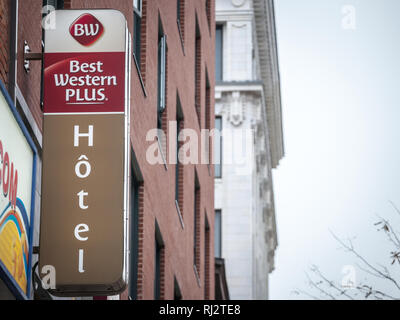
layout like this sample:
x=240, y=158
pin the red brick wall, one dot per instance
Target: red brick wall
x=30, y=30
x=159, y=183
x=198, y=71
x=143, y=48
x=181, y=176
x=141, y=269
x=182, y=19
x=4, y=40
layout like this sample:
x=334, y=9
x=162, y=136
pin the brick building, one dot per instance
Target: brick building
x=172, y=205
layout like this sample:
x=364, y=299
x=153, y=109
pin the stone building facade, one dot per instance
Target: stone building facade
x=248, y=110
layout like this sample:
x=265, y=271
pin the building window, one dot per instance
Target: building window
x=196, y=224
x=137, y=28
x=158, y=265
x=177, y=290
x=137, y=5
x=206, y=259
x=179, y=167
x=135, y=229
x=197, y=72
x=57, y=4
x=161, y=75
x=218, y=53
x=135, y=187
x=178, y=11
x=218, y=234
x=218, y=148
x=208, y=117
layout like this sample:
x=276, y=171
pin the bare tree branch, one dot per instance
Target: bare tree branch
x=369, y=291
x=316, y=286
x=390, y=232
x=333, y=290
x=298, y=291
x=342, y=292
x=394, y=207
x=369, y=265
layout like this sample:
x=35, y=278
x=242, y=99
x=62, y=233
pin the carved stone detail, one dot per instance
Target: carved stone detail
x=238, y=3
x=237, y=110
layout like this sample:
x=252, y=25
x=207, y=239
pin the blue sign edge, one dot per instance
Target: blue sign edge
x=4, y=273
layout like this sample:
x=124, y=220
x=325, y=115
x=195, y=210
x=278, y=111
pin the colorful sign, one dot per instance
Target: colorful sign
x=84, y=211
x=17, y=174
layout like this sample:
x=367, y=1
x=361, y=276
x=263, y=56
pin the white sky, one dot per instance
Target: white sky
x=341, y=113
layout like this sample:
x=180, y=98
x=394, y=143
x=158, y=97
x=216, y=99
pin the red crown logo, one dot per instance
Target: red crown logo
x=86, y=29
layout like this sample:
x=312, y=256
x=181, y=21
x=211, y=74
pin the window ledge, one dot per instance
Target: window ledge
x=179, y=214
x=196, y=273
x=181, y=37
x=140, y=76
x=160, y=148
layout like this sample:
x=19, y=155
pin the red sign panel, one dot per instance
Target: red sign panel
x=84, y=82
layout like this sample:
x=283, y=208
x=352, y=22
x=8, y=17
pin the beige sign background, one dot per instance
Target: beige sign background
x=62, y=206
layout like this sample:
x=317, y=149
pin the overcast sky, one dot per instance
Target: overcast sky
x=341, y=114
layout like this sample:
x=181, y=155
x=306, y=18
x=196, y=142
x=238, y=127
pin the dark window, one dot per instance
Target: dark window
x=57, y=4
x=208, y=102
x=197, y=72
x=208, y=116
x=134, y=236
x=157, y=281
x=218, y=53
x=135, y=219
x=158, y=261
x=206, y=259
x=196, y=223
x=177, y=290
x=161, y=74
x=137, y=29
x=218, y=234
x=178, y=10
x=178, y=168
x=218, y=148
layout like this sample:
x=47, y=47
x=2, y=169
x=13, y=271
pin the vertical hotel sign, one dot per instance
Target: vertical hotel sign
x=83, y=230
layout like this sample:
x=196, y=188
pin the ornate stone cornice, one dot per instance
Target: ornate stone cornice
x=269, y=71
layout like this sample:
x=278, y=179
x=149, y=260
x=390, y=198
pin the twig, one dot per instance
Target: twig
x=331, y=283
x=318, y=287
x=351, y=249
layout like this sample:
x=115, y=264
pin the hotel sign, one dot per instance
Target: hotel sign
x=84, y=213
